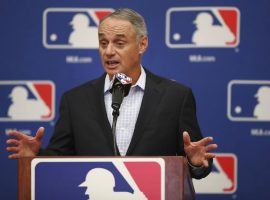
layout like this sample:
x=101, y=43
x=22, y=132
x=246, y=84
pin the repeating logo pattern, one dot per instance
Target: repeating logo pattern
x=72, y=28
x=222, y=179
x=202, y=27
x=248, y=100
x=98, y=179
x=27, y=100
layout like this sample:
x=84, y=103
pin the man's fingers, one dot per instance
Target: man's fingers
x=210, y=147
x=14, y=156
x=39, y=133
x=13, y=142
x=209, y=155
x=16, y=134
x=186, y=138
x=12, y=149
x=205, y=141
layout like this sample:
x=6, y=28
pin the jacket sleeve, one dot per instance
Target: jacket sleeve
x=189, y=123
x=62, y=141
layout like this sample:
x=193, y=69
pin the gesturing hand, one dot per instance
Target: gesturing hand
x=197, y=152
x=24, y=146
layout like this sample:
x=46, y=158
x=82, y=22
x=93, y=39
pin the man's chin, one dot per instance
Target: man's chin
x=112, y=72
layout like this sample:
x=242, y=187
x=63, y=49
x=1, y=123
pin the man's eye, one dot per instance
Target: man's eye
x=120, y=43
x=103, y=43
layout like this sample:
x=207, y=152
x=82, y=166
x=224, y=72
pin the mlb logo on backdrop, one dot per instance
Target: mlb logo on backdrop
x=222, y=179
x=72, y=28
x=202, y=27
x=27, y=100
x=248, y=100
x=98, y=178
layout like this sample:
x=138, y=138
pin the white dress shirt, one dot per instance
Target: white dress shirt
x=129, y=111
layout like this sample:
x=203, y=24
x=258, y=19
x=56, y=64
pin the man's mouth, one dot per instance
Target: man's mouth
x=112, y=63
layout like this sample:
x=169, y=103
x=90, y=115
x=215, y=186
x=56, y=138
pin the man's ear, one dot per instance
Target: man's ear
x=143, y=44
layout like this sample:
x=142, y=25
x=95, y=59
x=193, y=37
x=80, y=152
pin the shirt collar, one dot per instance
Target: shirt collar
x=140, y=82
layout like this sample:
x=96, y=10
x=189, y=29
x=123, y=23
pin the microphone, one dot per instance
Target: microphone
x=120, y=88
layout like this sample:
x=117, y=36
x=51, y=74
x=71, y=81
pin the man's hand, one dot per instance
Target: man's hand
x=24, y=146
x=197, y=152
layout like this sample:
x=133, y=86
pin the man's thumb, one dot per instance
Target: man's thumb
x=40, y=133
x=186, y=138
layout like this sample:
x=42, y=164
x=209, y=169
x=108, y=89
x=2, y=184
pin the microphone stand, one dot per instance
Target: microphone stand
x=115, y=116
x=117, y=98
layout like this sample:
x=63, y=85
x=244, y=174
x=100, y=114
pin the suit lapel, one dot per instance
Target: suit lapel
x=101, y=113
x=150, y=102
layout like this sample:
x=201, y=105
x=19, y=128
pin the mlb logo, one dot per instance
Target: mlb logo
x=202, y=27
x=248, y=100
x=72, y=28
x=27, y=101
x=98, y=178
x=222, y=179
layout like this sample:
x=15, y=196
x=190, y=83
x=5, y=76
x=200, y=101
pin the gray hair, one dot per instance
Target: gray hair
x=133, y=17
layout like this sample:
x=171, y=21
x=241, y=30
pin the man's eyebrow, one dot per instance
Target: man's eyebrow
x=117, y=35
x=121, y=35
x=101, y=34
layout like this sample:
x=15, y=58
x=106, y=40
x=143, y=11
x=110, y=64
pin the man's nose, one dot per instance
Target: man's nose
x=110, y=51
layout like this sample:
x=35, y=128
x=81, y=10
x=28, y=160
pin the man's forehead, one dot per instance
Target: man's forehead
x=116, y=27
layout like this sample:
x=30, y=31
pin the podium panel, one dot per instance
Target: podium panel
x=101, y=178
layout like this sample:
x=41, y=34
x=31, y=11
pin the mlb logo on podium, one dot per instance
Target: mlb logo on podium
x=222, y=179
x=98, y=178
x=72, y=28
x=27, y=101
x=248, y=100
x=202, y=27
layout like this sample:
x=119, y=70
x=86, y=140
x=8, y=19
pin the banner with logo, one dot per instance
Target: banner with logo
x=218, y=48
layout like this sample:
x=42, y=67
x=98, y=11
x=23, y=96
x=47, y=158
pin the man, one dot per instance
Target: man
x=157, y=118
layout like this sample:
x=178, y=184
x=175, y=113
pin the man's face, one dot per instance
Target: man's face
x=119, y=49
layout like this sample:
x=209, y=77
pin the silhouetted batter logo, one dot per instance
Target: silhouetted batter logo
x=27, y=100
x=222, y=179
x=196, y=27
x=248, y=100
x=72, y=28
x=98, y=179
x=100, y=184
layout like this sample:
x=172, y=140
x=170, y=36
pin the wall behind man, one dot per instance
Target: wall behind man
x=225, y=75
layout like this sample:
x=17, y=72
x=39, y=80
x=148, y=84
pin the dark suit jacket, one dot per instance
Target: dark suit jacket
x=167, y=109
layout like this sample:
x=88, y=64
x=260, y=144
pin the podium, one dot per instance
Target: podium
x=177, y=182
